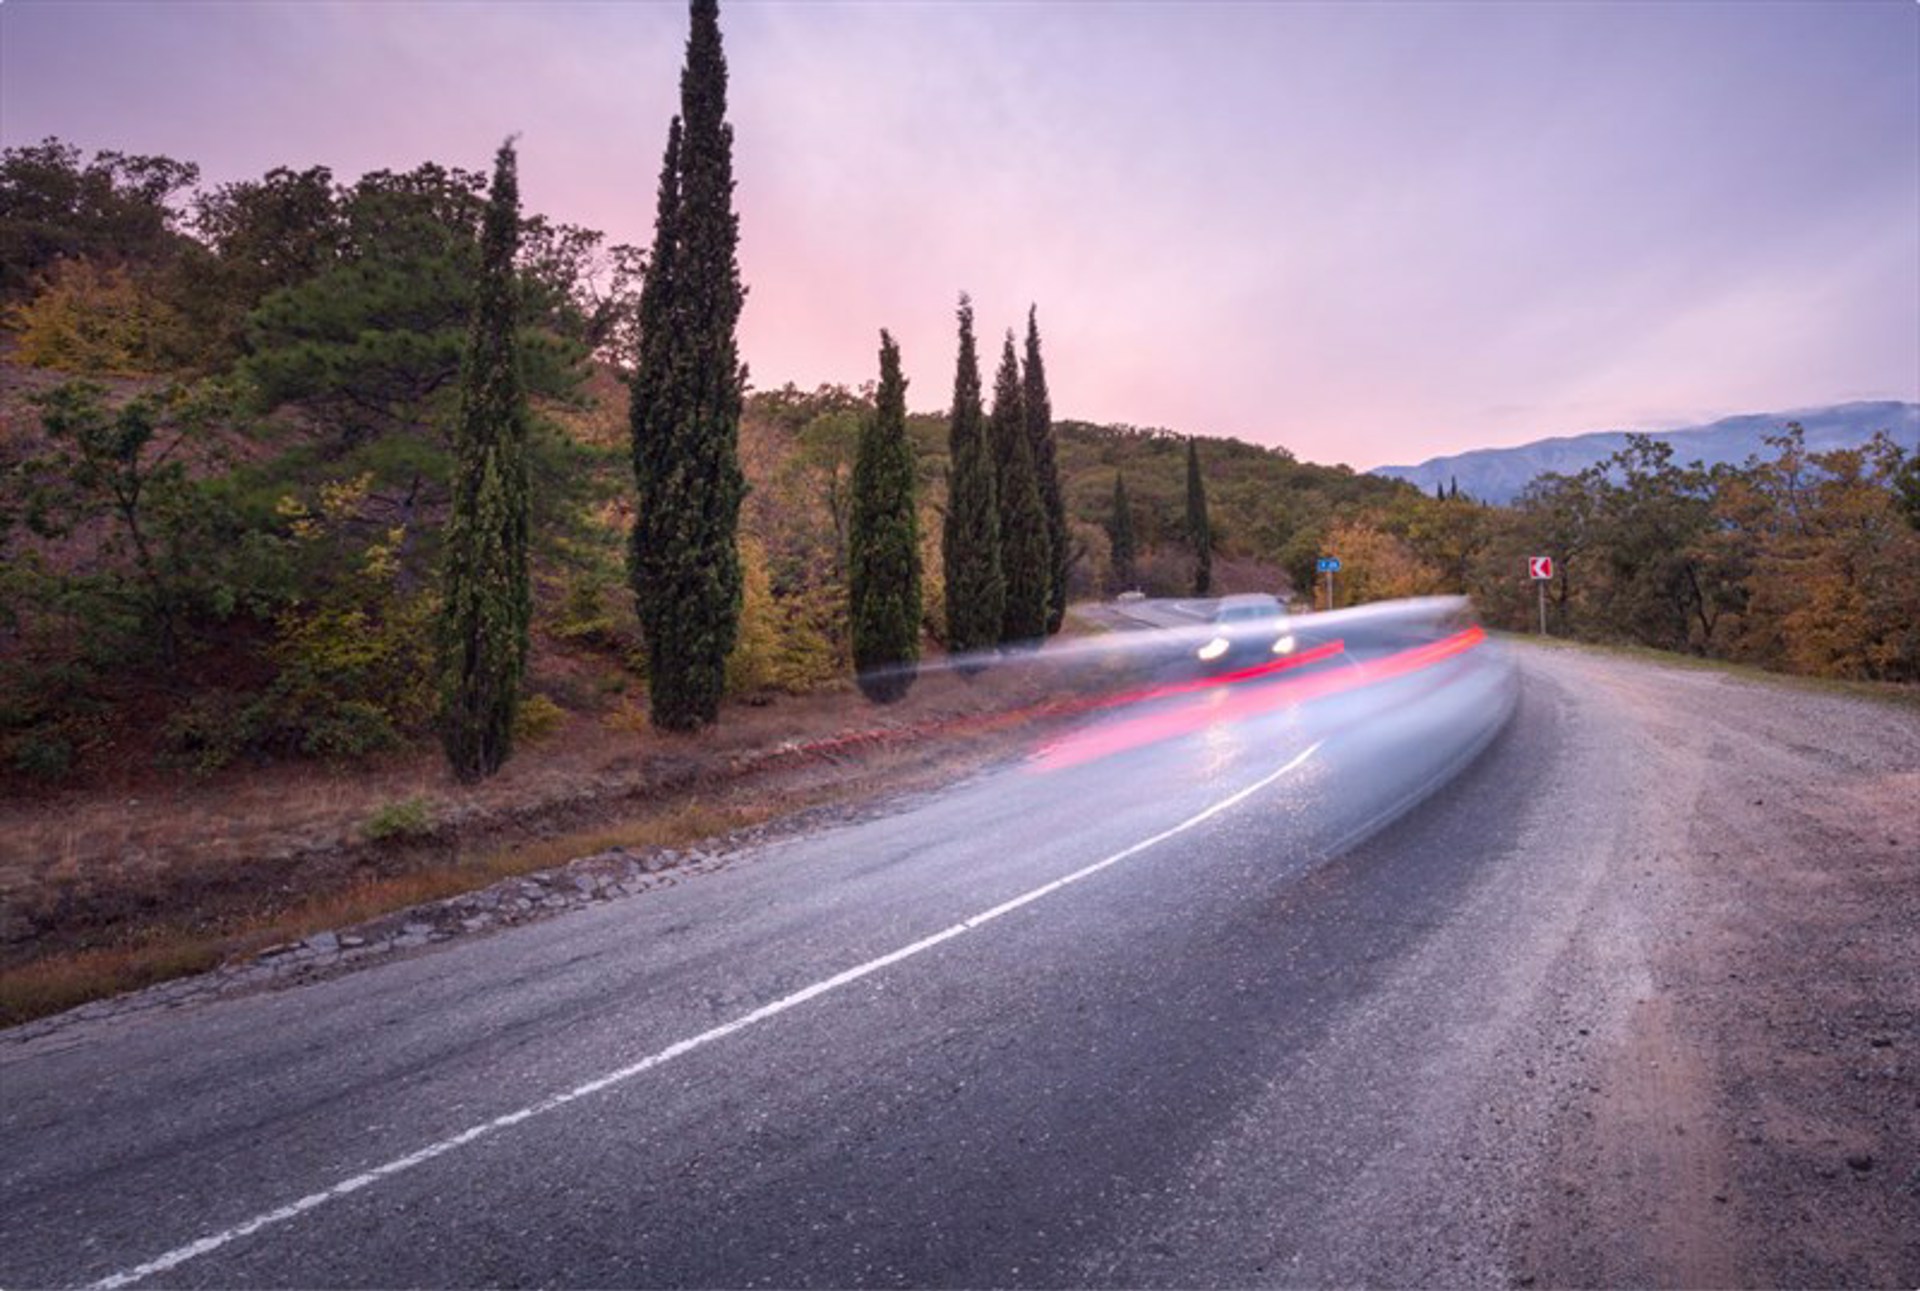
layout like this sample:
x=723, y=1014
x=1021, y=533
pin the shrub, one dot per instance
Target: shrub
x=785, y=643
x=96, y=321
x=212, y=730
x=42, y=754
x=537, y=718
x=407, y=818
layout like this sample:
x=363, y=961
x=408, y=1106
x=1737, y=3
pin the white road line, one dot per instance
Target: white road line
x=293, y=1210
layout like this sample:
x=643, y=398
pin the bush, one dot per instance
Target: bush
x=587, y=614
x=213, y=730
x=407, y=818
x=537, y=718
x=97, y=322
x=784, y=643
x=43, y=755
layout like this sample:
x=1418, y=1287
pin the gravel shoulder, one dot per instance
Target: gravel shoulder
x=1750, y=970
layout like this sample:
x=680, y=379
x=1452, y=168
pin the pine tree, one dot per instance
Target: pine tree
x=488, y=602
x=1120, y=532
x=687, y=384
x=883, y=542
x=976, y=594
x=1039, y=410
x=1026, y=557
x=1199, y=532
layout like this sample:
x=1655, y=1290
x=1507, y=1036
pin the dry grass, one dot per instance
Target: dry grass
x=78, y=977
x=157, y=953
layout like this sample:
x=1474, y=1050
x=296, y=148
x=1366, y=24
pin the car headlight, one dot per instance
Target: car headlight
x=1284, y=645
x=1213, y=649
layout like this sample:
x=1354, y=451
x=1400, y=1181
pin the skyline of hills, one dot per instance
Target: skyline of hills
x=1499, y=474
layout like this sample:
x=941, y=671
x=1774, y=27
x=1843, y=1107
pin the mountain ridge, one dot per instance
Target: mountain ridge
x=1499, y=474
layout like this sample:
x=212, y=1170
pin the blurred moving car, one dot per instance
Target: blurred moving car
x=1247, y=629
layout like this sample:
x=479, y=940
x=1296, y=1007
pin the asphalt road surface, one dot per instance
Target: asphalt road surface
x=1165, y=1003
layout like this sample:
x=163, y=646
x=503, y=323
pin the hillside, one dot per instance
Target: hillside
x=1499, y=474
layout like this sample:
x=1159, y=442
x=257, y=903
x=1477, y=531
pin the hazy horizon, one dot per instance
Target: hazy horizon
x=1372, y=234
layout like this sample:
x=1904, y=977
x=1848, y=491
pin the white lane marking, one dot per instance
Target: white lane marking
x=213, y=1242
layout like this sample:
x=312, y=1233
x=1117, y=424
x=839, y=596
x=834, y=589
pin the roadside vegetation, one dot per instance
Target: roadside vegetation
x=1807, y=563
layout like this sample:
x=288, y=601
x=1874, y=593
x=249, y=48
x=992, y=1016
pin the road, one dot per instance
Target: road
x=1161, y=1005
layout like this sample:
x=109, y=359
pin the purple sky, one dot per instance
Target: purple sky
x=1370, y=232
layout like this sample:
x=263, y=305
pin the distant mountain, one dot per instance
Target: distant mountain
x=1498, y=474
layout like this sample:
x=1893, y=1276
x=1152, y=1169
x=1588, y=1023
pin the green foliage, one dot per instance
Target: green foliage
x=122, y=467
x=686, y=404
x=57, y=206
x=360, y=317
x=353, y=679
x=975, y=586
x=536, y=718
x=1037, y=405
x=1026, y=556
x=818, y=480
x=1120, y=535
x=1801, y=561
x=1904, y=476
x=586, y=614
x=488, y=599
x=41, y=754
x=351, y=658
x=401, y=820
x=370, y=341
x=174, y=528
x=1199, y=531
x=783, y=643
x=366, y=348
x=884, y=577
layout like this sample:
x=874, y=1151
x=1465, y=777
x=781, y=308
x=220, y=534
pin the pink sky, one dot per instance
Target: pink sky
x=1372, y=233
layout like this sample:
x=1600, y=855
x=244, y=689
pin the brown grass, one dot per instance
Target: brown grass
x=185, y=942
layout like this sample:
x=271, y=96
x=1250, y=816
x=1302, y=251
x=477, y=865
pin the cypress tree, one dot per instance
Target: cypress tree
x=1121, y=533
x=1199, y=532
x=971, y=556
x=687, y=384
x=1026, y=556
x=488, y=604
x=883, y=542
x=1039, y=410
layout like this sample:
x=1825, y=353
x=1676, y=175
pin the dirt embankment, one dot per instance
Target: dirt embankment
x=1756, y=1109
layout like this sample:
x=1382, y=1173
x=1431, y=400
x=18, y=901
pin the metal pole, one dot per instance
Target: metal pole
x=1541, y=583
x=1329, y=589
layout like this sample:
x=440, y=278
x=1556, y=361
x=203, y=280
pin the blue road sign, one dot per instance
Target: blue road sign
x=1328, y=565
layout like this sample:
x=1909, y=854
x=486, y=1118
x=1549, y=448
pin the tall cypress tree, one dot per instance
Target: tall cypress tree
x=686, y=403
x=1046, y=465
x=976, y=593
x=1026, y=557
x=488, y=604
x=883, y=542
x=1199, y=532
x=1121, y=534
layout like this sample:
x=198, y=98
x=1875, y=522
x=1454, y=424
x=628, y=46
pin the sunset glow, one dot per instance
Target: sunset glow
x=1370, y=233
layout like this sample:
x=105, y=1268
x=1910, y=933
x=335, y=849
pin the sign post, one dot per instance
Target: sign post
x=1327, y=565
x=1540, y=570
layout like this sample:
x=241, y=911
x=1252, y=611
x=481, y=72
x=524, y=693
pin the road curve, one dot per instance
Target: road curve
x=1141, y=1015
